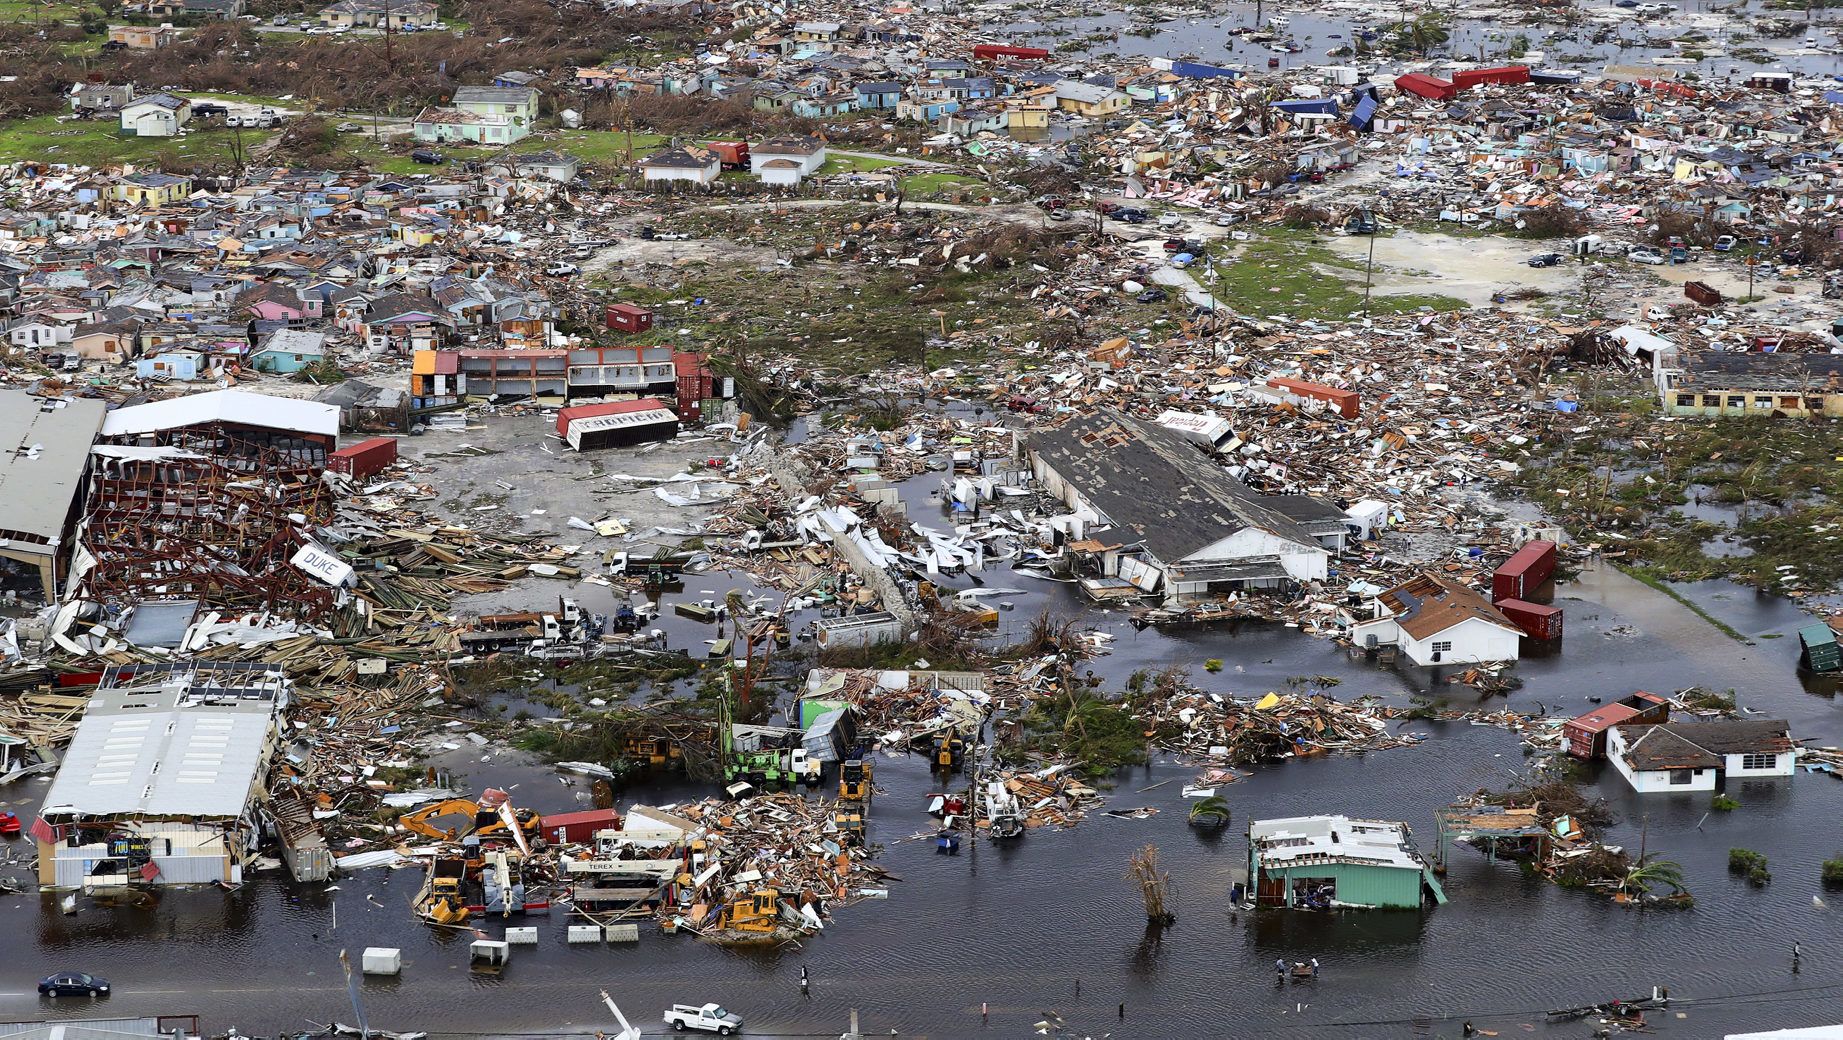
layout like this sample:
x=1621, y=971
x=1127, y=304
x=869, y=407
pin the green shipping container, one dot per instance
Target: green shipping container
x=1821, y=652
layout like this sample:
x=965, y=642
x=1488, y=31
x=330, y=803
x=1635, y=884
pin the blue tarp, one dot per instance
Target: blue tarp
x=1308, y=106
x=1365, y=114
x=1197, y=70
x=1835, y=97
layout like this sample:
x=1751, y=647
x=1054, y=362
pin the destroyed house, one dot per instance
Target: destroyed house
x=1700, y=756
x=1335, y=862
x=1586, y=735
x=1733, y=383
x=162, y=779
x=44, y=462
x=1155, y=512
x=1438, y=622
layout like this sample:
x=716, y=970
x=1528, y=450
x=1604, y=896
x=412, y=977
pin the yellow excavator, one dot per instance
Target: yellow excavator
x=458, y=818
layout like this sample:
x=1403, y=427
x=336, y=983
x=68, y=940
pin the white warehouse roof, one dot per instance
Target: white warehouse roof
x=227, y=406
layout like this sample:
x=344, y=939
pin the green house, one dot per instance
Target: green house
x=1335, y=862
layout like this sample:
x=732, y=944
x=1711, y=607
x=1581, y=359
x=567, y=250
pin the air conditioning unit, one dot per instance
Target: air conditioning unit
x=1436, y=656
x=1369, y=641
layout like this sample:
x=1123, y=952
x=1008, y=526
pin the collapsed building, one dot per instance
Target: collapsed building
x=208, y=498
x=1153, y=514
x=44, y=459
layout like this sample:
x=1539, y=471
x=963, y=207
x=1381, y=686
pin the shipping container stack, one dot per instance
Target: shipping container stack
x=1524, y=575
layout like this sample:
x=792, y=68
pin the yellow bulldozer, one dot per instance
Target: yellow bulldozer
x=854, y=780
x=441, y=901
x=759, y=911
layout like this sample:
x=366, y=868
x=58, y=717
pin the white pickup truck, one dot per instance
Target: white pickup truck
x=711, y=1018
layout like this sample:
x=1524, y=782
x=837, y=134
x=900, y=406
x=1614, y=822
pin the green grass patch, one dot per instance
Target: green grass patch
x=836, y=163
x=921, y=185
x=99, y=143
x=32, y=11
x=1282, y=273
x=1653, y=579
x=603, y=149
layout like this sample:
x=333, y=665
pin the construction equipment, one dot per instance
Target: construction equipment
x=949, y=753
x=850, y=823
x=759, y=911
x=854, y=780
x=762, y=765
x=440, y=900
x=1003, y=810
x=459, y=818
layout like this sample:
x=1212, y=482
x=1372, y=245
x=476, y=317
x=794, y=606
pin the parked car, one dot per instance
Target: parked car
x=1792, y=255
x=562, y=270
x=73, y=984
x=1108, y=207
x=1170, y=220
x=1153, y=295
x=114, y=45
x=348, y=128
x=9, y=825
x=1176, y=245
x=427, y=157
x=1052, y=203
x=1725, y=243
x=1132, y=216
x=1545, y=260
x=1646, y=256
x=711, y=1018
x=280, y=19
x=1229, y=219
x=203, y=109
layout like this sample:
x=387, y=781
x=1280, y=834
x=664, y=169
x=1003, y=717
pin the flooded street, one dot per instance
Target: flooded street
x=1014, y=927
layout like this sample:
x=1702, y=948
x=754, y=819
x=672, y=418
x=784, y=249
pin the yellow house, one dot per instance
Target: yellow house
x=415, y=234
x=142, y=37
x=1030, y=111
x=1762, y=385
x=1089, y=99
x=153, y=189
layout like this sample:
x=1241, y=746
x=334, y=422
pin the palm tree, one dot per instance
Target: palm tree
x=1210, y=812
x=1650, y=871
x=1426, y=32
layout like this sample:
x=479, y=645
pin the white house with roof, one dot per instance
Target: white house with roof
x=1438, y=622
x=1700, y=756
x=155, y=115
x=807, y=154
x=687, y=164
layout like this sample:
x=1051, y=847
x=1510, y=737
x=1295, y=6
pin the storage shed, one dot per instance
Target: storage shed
x=616, y=424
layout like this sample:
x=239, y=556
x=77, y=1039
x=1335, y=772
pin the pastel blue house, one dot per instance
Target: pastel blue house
x=822, y=107
x=180, y=365
x=289, y=350
x=879, y=96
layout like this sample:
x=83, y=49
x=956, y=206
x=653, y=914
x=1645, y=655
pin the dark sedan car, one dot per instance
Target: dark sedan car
x=73, y=984
x=1545, y=260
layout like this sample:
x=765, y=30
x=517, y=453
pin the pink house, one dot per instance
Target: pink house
x=275, y=301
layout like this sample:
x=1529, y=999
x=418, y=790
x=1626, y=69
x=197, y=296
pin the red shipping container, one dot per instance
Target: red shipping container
x=628, y=318
x=1536, y=620
x=363, y=459
x=1423, y=85
x=1502, y=74
x=580, y=826
x=989, y=51
x=1524, y=572
x=1346, y=402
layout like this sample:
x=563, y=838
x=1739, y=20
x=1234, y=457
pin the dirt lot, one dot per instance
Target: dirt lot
x=1472, y=269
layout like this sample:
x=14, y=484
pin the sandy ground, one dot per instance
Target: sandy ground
x=548, y=484
x=1469, y=269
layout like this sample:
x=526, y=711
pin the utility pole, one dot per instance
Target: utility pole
x=1369, y=271
x=389, y=58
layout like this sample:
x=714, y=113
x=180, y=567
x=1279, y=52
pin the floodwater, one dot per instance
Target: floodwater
x=1013, y=928
x=1616, y=36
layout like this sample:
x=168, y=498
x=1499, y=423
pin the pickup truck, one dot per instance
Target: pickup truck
x=711, y=1018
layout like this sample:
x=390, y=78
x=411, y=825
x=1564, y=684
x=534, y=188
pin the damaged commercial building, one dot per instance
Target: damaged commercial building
x=1155, y=515
x=161, y=782
x=205, y=498
x=44, y=459
x=1792, y=385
